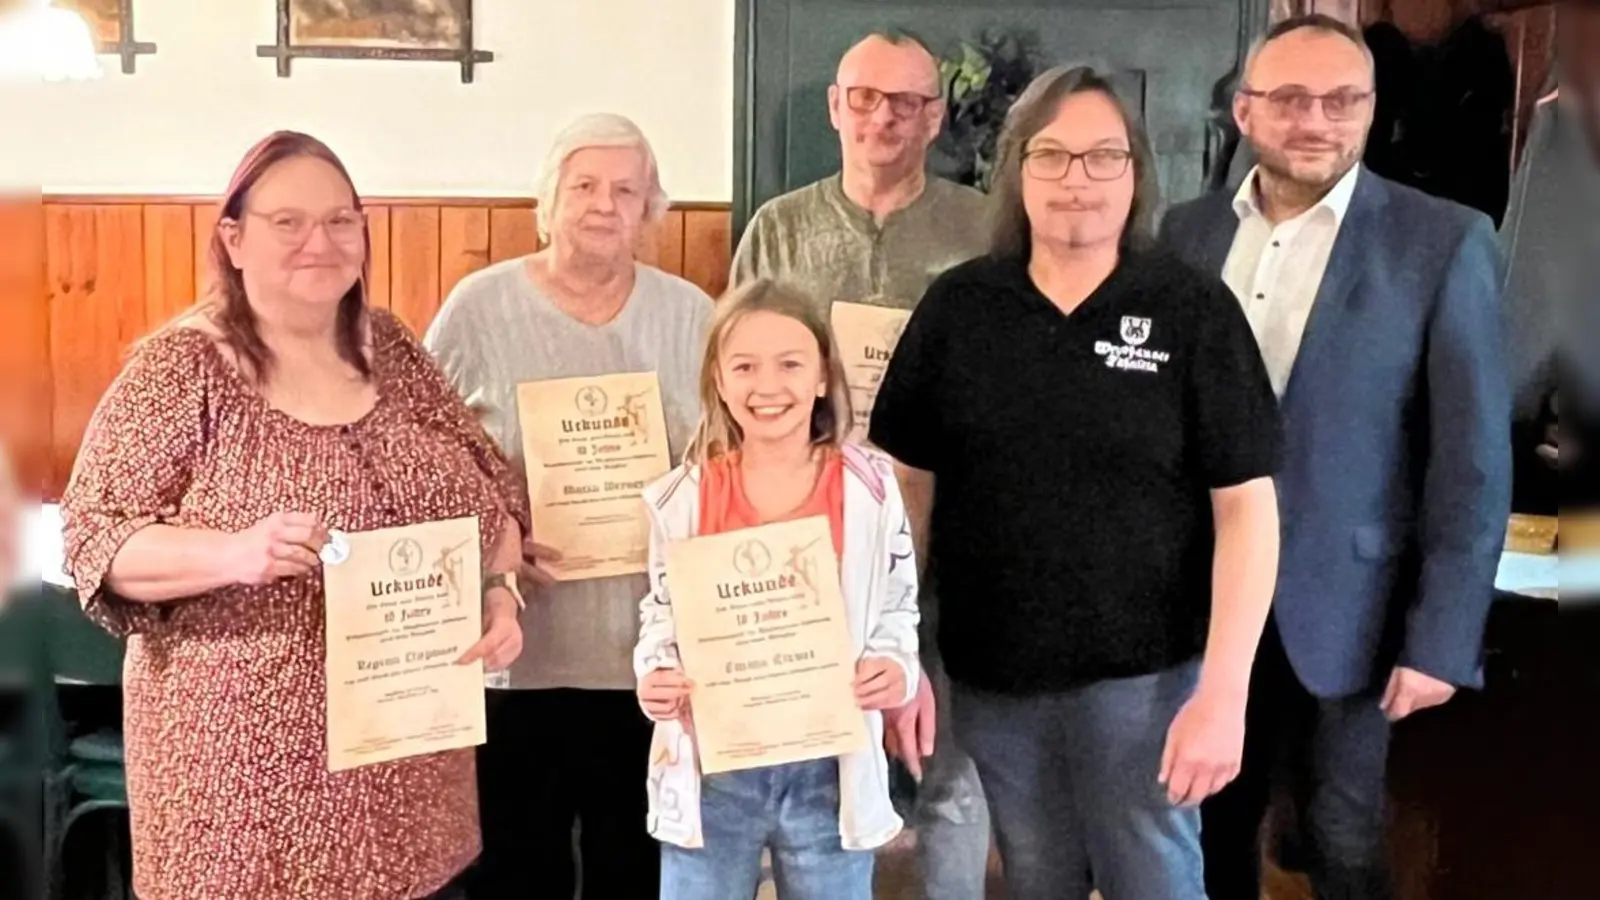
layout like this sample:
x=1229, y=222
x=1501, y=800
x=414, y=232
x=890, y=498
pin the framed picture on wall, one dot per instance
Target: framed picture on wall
x=428, y=30
x=111, y=22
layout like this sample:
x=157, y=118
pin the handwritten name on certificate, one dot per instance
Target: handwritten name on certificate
x=401, y=609
x=763, y=635
x=867, y=336
x=591, y=446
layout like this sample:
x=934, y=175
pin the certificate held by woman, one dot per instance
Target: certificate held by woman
x=591, y=446
x=403, y=605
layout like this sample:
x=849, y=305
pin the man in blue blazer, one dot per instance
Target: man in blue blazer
x=1377, y=311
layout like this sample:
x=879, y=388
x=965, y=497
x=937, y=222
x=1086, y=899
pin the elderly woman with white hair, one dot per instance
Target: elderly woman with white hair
x=567, y=741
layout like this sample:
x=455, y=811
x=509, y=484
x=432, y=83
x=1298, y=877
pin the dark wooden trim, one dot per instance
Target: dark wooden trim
x=760, y=97
x=207, y=199
x=466, y=54
x=125, y=46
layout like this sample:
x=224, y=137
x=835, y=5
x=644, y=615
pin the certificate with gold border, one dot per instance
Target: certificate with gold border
x=401, y=608
x=591, y=446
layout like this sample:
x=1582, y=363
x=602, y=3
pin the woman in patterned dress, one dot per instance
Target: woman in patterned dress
x=230, y=444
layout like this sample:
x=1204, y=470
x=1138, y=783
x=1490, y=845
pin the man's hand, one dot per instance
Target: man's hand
x=1550, y=450
x=1410, y=691
x=533, y=558
x=908, y=731
x=1205, y=745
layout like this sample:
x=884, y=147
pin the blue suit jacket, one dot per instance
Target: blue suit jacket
x=1396, y=483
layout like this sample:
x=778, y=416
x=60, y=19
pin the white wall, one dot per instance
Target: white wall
x=181, y=122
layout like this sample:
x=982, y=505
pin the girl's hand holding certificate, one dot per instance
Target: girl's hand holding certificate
x=664, y=694
x=880, y=683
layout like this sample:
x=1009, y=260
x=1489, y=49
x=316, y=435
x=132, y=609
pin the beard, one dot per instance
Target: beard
x=1318, y=176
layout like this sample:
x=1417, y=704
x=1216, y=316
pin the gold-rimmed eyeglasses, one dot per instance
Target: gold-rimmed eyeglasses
x=346, y=227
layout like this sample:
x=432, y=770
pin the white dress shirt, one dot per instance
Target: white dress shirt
x=1276, y=270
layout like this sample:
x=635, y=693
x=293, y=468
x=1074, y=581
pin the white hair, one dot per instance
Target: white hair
x=596, y=130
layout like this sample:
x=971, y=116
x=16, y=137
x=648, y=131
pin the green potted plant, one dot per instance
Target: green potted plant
x=981, y=80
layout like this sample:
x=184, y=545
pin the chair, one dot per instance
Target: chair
x=86, y=784
x=21, y=747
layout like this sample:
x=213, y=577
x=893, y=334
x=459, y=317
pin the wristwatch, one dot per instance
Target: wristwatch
x=507, y=580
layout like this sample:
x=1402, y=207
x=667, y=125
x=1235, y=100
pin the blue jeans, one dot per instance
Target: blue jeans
x=793, y=810
x=1071, y=783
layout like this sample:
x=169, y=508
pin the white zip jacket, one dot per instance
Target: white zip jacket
x=879, y=581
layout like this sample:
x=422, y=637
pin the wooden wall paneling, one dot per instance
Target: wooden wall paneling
x=414, y=265
x=512, y=232
x=378, y=269
x=96, y=286
x=669, y=242
x=707, y=253
x=169, y=266
x=108, y=269
x=463, y=244
x=24, y=342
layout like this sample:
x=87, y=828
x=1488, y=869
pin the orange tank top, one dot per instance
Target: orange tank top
x=724, y=506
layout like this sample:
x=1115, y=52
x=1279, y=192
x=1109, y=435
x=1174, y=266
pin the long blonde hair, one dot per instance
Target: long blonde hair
x=718, y=433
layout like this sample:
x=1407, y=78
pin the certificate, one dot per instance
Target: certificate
x=402, y=605
x=591, y=446
x=867, y=336
x=762, y=634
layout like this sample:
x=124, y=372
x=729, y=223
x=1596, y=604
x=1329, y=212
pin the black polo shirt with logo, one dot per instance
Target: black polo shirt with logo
x=1073, y=456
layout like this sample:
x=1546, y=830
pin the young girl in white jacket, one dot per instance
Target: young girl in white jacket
x=771, y=447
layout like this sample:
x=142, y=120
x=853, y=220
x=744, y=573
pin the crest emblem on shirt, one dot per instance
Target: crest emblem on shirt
x=1135, y=330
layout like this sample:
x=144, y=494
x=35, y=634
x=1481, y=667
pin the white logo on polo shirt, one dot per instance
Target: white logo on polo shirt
x=1135, y=331
x=1131, y=355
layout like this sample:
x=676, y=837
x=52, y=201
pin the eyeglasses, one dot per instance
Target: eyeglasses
x=1053, y=163
x=1291, y=102
x=294, y=226
x=904, y=104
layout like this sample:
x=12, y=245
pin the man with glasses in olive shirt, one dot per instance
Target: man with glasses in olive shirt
x=877, y=233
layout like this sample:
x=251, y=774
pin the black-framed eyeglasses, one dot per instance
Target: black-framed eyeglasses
x=1341, y=105
x=1053, y=163
x=904, y=104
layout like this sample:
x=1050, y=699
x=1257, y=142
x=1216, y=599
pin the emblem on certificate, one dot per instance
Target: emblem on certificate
x=762, y=633
x=867, y=336
x=401, y=607
x=591, y=446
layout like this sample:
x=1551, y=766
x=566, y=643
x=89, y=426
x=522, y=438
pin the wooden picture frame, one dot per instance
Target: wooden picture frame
x=111, y=22
x=416, y=30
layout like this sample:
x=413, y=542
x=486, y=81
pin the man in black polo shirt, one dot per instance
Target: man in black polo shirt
x=1086, y=430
